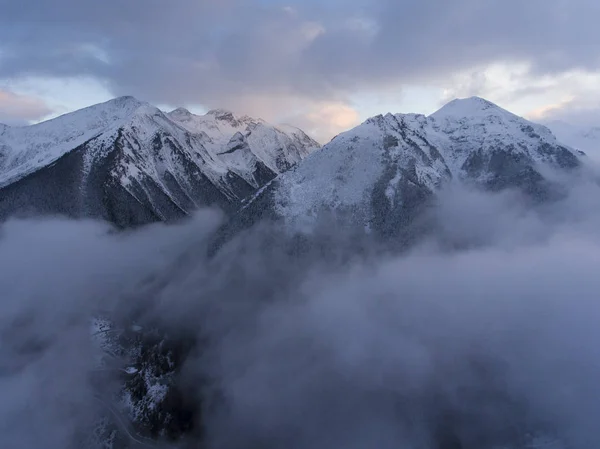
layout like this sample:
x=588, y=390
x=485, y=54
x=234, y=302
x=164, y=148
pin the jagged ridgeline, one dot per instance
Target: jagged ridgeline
x=129, y=163
x=383, y=175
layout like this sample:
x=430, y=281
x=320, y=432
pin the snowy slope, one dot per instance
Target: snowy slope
x=26, y=149
x=383, y=171
x=277, y=147
x=464, y=127
x=385, y=153
x=130, y=163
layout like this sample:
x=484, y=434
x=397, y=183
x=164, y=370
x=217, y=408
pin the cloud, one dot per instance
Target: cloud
x=324, y=120
x=211, y=53
x=484, y=343
x=321, y=347
x=20, y=109
x=546, y=111
x=56, y=275
x=320, y=119
x=481, y=345
x=385, y=356
x=578, y=111
x=572, y=96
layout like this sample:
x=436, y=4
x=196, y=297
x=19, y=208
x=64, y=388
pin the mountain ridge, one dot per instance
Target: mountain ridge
x=381, y=172
x=148, y=165
x=166, y=164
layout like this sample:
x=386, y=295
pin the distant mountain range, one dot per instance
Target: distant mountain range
x=127, y=162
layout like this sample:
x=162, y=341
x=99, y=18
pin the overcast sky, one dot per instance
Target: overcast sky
x=323, y=65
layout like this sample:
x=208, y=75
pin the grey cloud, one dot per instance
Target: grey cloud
x=212, y=52
x=490, y=340
x=318, y=348
x=55, y=275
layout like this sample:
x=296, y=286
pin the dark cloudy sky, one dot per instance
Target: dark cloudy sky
x=320, y=64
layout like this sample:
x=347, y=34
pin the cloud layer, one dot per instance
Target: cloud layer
x=320, y=347
x=222, y=53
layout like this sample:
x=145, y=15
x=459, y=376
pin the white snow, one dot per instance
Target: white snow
x=345, y=171
x=26, y=149
x=202, y=139
x=469, y=108
x=467, y=125
x=341, y=174
x=267, y=143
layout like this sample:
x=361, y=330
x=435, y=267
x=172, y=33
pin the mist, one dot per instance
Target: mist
x=481, y=335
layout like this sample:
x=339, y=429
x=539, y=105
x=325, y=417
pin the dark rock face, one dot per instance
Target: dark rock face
x=238, y=147
x=396, y=219
x=152, y=401
x=63, y=189
x=505, y=169
x=154, y=391
x=51, y=190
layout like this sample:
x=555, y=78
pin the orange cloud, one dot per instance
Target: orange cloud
x=20, y=109
x=322, y=120
x=546, y=110
x=326, y=120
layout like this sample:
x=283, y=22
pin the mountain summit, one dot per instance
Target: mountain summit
x=129, y=163
x=470, y=107
x=380, y=174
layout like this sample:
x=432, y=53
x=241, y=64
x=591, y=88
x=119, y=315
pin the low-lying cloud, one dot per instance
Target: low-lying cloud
x=481, y=335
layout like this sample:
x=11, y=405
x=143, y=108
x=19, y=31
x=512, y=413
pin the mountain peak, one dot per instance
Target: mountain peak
x=118, y=108
x=222, y=114
x=469, y=107
x=180, y=112
x=126, y=100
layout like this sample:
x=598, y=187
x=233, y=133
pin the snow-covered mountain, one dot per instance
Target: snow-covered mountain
x=128, y=162
x=382, y=172
x=277, y=147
